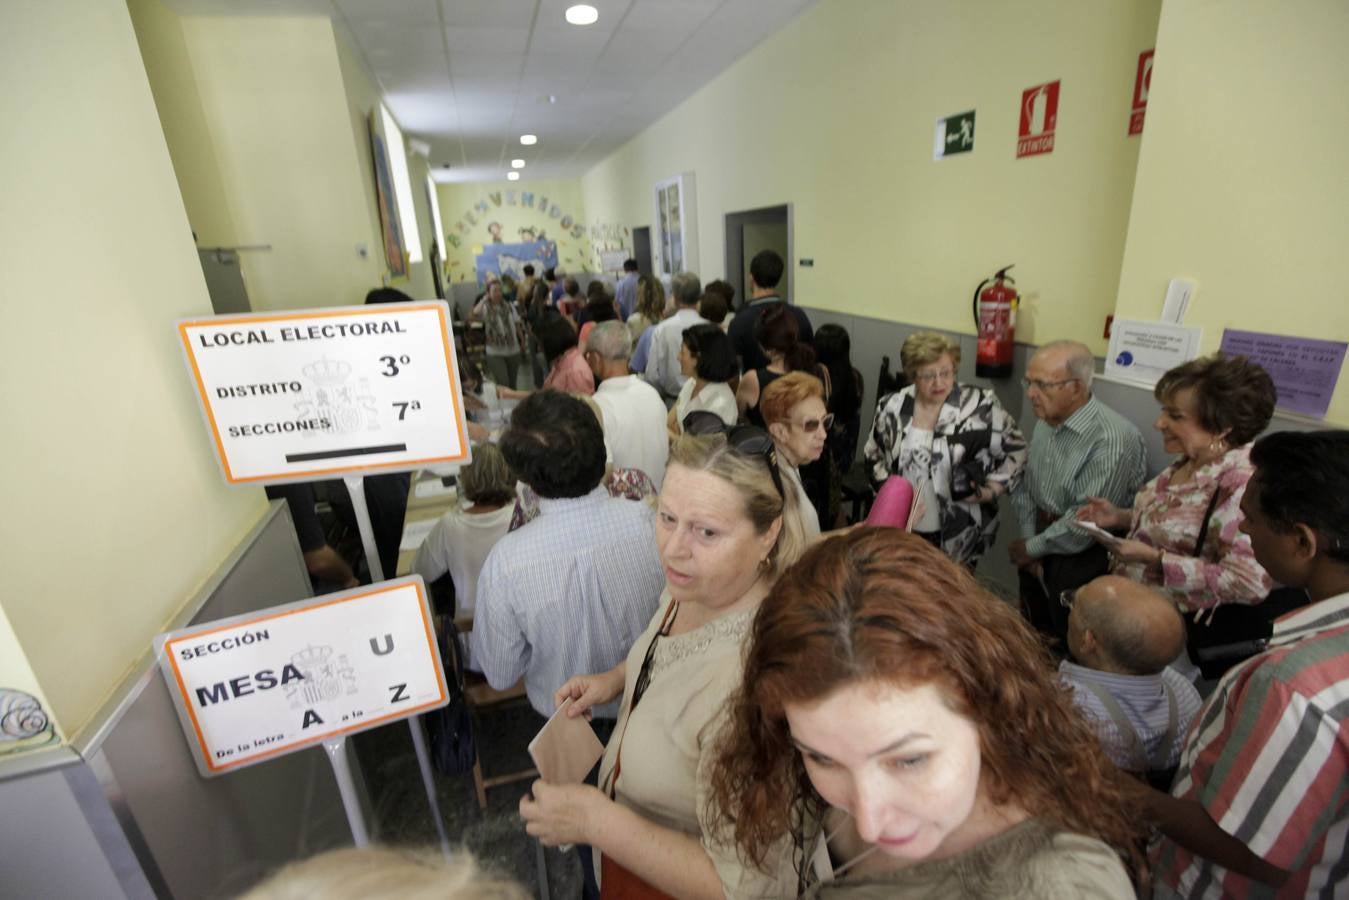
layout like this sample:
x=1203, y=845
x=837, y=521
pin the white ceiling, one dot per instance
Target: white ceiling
x=470, y=76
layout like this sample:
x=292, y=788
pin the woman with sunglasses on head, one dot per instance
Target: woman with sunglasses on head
x=954, y=442
x=794, y=412
x=724, y=531
x=905, y=728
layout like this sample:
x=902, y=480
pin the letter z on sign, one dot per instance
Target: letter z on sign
x=262, y=684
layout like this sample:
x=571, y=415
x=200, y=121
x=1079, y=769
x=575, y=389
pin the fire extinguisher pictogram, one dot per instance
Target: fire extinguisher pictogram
x=995, y=318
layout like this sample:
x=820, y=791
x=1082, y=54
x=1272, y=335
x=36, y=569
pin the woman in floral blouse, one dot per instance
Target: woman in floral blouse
x=1212, y=408
x=954, y=442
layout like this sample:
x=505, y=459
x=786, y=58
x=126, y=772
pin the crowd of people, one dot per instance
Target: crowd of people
x=798, y=705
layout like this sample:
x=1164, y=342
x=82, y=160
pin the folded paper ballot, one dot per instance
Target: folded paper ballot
x=565, y=749
x=1111, y=541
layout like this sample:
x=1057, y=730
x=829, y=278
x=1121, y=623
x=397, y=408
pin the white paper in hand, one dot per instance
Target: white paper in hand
x=565, y=749
x=1100, y=534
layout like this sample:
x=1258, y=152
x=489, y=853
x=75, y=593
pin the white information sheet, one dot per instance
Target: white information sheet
x=328, y=391
x=260, y=685
x=1145, y=351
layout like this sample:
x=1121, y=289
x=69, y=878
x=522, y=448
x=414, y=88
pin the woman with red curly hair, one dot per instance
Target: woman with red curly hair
x=905, y=728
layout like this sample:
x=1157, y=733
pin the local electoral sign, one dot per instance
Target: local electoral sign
x=326, y=391
x=263, y=684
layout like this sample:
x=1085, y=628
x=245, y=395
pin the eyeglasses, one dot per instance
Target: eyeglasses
x=934, y=377
x=811, y=425
x=1067, y=597
x=1045, y=386
x=644, y=674
x=744, y=439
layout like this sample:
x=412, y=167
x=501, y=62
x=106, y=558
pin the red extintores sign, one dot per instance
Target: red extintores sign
x=1039, y=118
x=1142, y=85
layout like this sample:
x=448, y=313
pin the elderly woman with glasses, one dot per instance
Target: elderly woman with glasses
x=955, y=444
x=795, y=414
x=724, y=531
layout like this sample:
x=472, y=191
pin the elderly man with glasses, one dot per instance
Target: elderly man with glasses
x=1080, y=449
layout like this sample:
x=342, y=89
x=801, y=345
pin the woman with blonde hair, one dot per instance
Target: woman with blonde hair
x=724, y=530
x=954, y=442
x=905, y=728
x=386, y=873
x=650, y=307
x=462, y=538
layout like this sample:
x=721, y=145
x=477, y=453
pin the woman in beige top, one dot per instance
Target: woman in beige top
x=906, y=728
x=722, y=540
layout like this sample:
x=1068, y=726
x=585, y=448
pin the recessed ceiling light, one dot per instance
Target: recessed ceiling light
x=512, y=176
x=517, y=164
x=582, y=14
x=529, y=139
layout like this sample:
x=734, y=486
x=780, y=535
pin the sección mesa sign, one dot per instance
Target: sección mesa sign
x=328, y=391
x=256, y=686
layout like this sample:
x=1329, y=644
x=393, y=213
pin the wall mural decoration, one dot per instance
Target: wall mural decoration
x=511, y=259
x=395, y=252
x=504, y=218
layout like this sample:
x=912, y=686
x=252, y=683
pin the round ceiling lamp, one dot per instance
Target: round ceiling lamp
x=582, y=14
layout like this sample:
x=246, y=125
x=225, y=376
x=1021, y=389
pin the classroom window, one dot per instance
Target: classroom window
x=402, y=185
x=433, y=200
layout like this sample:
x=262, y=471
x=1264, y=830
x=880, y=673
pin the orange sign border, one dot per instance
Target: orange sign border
x=438, y=306
x=383, y=587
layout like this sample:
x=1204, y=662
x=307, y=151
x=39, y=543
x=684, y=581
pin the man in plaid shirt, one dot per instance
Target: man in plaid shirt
x=1260, y=805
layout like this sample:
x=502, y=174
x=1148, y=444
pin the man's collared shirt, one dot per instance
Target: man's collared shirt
x=634, y=425
x=662, y=368
x=1144, y=701
x=1096, y=452
x=566, y=595
x=625, y=292
x=1269, y=760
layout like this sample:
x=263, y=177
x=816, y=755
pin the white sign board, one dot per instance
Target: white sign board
x=1145, y=351
x=252, y=687
x=328, y=391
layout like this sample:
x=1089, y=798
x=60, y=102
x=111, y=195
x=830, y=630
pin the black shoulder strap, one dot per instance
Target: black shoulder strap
x=1203, y=529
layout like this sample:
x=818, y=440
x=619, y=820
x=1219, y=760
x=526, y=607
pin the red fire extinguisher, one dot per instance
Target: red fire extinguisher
x=995, y=317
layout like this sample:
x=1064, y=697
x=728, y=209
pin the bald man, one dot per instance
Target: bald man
x=1122, y=636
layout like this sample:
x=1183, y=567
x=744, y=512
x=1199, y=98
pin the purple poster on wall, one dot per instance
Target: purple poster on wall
x=1304, y=369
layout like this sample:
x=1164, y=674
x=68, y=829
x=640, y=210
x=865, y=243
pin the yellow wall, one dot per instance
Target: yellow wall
x=115, y=511
x=835, y=114
x=466, y=210
x=363, y=98
x=159, y=33
x=1241, y=178
x=272, y=92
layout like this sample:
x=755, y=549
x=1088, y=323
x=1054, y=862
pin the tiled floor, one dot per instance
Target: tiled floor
x=496, y=836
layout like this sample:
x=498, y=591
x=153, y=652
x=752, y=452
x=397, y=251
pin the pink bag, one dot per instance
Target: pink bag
x=893, y=504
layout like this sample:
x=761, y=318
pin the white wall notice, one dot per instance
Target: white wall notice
x=1145, y=351
x=252, y=687
x=323, y=392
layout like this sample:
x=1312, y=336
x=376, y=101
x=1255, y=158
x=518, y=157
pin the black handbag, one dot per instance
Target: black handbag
x=449, y=730
x=1235, y=632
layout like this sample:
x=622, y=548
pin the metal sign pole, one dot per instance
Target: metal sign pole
x=428, y=781
x=356, y=488
x=346, y=785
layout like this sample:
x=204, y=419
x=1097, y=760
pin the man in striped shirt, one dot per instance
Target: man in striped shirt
x=1080, y=449
x=1260, y=805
